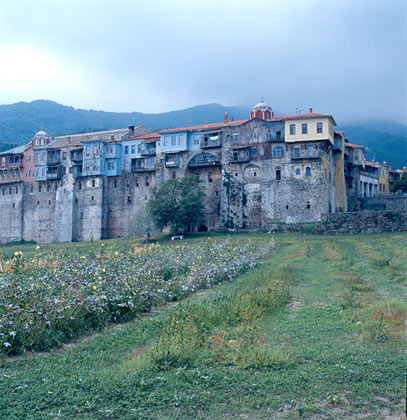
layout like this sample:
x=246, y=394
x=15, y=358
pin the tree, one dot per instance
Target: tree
x=400, y=185
x=142, y=223
x=177, y=203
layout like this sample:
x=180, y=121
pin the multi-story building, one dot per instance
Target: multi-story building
x=256, y=172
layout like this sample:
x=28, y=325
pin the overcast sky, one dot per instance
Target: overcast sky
x=347, y=58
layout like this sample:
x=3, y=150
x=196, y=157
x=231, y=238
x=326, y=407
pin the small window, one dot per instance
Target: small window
x=210, y=177
x=126, y=150
x=307, y=171
x=93, y=183
x=217, y=193
x=80, y=186
x=297, y=171
x=39, y=188
x=304, y=128
x=181, y=140
x=296, y=151
x=38, y=202
x=278, y=174
x=136, y=181
x=31, y=189
x=173, y=141
x=49, y=202
x=278, y=152
x=254, y=151
x=129, y=199
x=319, y=127
x=254, y=173
x=286, y=206
x=55, y=186
x=278, y=135
x=236, y=174
x=308, y=205
x=147, y=181
x=133, y=148
x=292, y=129
x=196, y=140
x=235, y=138
x=115, y=183
x=93, y=198
x=14, y=204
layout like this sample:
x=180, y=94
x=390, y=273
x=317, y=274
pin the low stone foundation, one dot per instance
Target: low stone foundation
x=363, y=222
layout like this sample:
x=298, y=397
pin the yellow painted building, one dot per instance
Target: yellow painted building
x=383, y=178
x=309, y=127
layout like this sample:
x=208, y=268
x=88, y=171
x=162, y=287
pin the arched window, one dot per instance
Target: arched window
x=278, y=151
x=307, y=171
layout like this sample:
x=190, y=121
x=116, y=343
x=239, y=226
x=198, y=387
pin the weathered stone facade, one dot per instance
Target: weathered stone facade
x=254, y=174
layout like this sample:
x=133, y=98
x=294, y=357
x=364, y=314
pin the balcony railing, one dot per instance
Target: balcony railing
x=12, y=179
x=147, y=151
x=241, y=155
x=275, y=138
x=316, y=154
x=207, y=143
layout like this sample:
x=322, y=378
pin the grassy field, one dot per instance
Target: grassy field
x=318, y=331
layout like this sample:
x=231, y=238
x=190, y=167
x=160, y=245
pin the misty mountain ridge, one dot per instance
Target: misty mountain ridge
x=386, y=140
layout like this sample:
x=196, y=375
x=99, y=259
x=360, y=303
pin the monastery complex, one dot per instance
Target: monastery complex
x=257, y=172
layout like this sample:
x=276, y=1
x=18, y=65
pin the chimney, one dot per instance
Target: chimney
x=131, y=130
x=225, y=118
x=310, y=110
x=232, y=119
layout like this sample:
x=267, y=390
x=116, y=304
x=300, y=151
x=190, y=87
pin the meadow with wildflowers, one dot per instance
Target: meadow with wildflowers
x=316, y=331
x=48, y=300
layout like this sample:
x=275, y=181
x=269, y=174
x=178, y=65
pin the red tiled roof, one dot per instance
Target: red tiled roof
x=354, y=145
x=204, y=126
x=146, y=136
x=374, y=164
x=300, y=116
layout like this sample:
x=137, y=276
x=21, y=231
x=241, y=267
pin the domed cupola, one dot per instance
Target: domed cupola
x=40, y=139
x=262, y=111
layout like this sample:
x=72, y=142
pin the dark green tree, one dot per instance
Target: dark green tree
x=177, y=203
x=400, y=185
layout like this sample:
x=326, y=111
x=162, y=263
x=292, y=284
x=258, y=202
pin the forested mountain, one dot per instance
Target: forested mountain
x=386, y=140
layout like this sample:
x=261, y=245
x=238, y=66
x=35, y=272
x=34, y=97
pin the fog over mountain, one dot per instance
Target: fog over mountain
x=344, y=57
x=386, y=140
